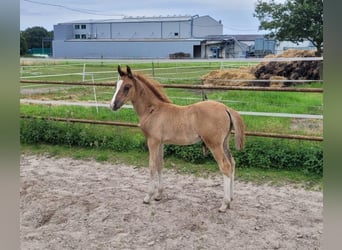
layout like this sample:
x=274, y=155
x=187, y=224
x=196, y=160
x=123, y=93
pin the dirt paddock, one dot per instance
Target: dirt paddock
x=74, y=204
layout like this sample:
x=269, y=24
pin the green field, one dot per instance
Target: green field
x=176, y=73
x=169, y=72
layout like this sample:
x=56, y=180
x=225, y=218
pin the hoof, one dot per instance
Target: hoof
x=146, y=200
x=158, y=197
x=224, y=207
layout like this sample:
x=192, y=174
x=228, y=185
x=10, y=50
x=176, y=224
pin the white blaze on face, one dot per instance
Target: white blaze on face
x=118, y=86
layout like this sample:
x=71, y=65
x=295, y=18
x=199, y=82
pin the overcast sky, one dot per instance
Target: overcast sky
x=236, y=15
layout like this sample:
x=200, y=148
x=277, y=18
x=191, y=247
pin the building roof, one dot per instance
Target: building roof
x=247, y=37
x=135, y=19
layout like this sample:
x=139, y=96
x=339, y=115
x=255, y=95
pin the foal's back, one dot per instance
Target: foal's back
x=185, y=125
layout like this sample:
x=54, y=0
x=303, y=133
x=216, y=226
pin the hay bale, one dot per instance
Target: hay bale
x=224, y=77
x=278, y=83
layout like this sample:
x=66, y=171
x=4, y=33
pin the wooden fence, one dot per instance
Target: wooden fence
x=182, y=86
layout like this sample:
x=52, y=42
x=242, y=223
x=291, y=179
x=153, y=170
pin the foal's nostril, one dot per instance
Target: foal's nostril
x=113, y=105
x=116, y=105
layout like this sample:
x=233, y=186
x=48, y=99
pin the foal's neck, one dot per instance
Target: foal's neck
x=145, y=102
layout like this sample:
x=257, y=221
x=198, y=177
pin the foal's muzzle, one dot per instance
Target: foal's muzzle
x=116, y=105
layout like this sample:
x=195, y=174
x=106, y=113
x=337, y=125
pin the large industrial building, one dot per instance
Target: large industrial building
x=159, y=37
x=133, y=37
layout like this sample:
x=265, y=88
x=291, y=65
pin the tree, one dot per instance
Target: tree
x=35, y=35
x=294, y=20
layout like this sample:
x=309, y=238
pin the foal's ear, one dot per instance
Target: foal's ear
x=129, y=72
x=121, y=73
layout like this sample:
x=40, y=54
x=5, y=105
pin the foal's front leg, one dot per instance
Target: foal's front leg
x=158, y=196
x=155, y=151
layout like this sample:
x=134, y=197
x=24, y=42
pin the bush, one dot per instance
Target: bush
x=262, y=153
x=259, y=152
x=281, y=154
x=190, y=153
x=82, y=135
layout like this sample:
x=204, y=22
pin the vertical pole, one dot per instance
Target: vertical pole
x=204, y=95
x=320, y=63
x=83, y=74
x=95, y=97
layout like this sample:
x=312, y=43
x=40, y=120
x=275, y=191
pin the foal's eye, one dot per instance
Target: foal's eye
x=126, y=88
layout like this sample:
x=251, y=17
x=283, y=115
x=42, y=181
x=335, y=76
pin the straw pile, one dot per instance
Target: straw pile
x=284, y=70
x=229, y=77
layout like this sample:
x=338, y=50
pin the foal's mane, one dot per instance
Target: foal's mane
x=155, y=87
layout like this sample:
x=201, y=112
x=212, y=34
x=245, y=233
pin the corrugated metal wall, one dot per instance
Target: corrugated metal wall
x=132, y=39
x=121, y=49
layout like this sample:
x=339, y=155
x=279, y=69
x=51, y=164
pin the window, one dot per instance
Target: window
x=77, y=26
x=176, y=34
x=83, y=26
x=84, y=36
x=77, y=36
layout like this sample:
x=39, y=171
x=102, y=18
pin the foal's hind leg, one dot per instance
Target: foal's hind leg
x=232, y=163
x=226, y=169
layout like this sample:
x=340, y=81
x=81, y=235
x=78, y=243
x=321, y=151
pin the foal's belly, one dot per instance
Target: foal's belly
x=180, y=127
x=182, y=140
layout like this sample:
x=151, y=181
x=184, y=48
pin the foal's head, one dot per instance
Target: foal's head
x=125, y=88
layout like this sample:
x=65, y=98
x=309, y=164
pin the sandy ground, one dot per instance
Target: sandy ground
x=74, y=204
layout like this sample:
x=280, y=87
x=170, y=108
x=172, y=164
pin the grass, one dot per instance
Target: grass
x=297, y=103
x=257, y=176
x=172, y=72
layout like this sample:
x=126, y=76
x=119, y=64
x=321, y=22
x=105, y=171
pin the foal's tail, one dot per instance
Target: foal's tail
x=239, y=128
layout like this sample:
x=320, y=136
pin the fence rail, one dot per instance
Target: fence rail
x=188, y=86
x=106, y=105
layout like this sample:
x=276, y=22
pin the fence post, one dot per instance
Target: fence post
x=83, y=74
x=204, y=95
x=320, y=63
x=94, y=89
